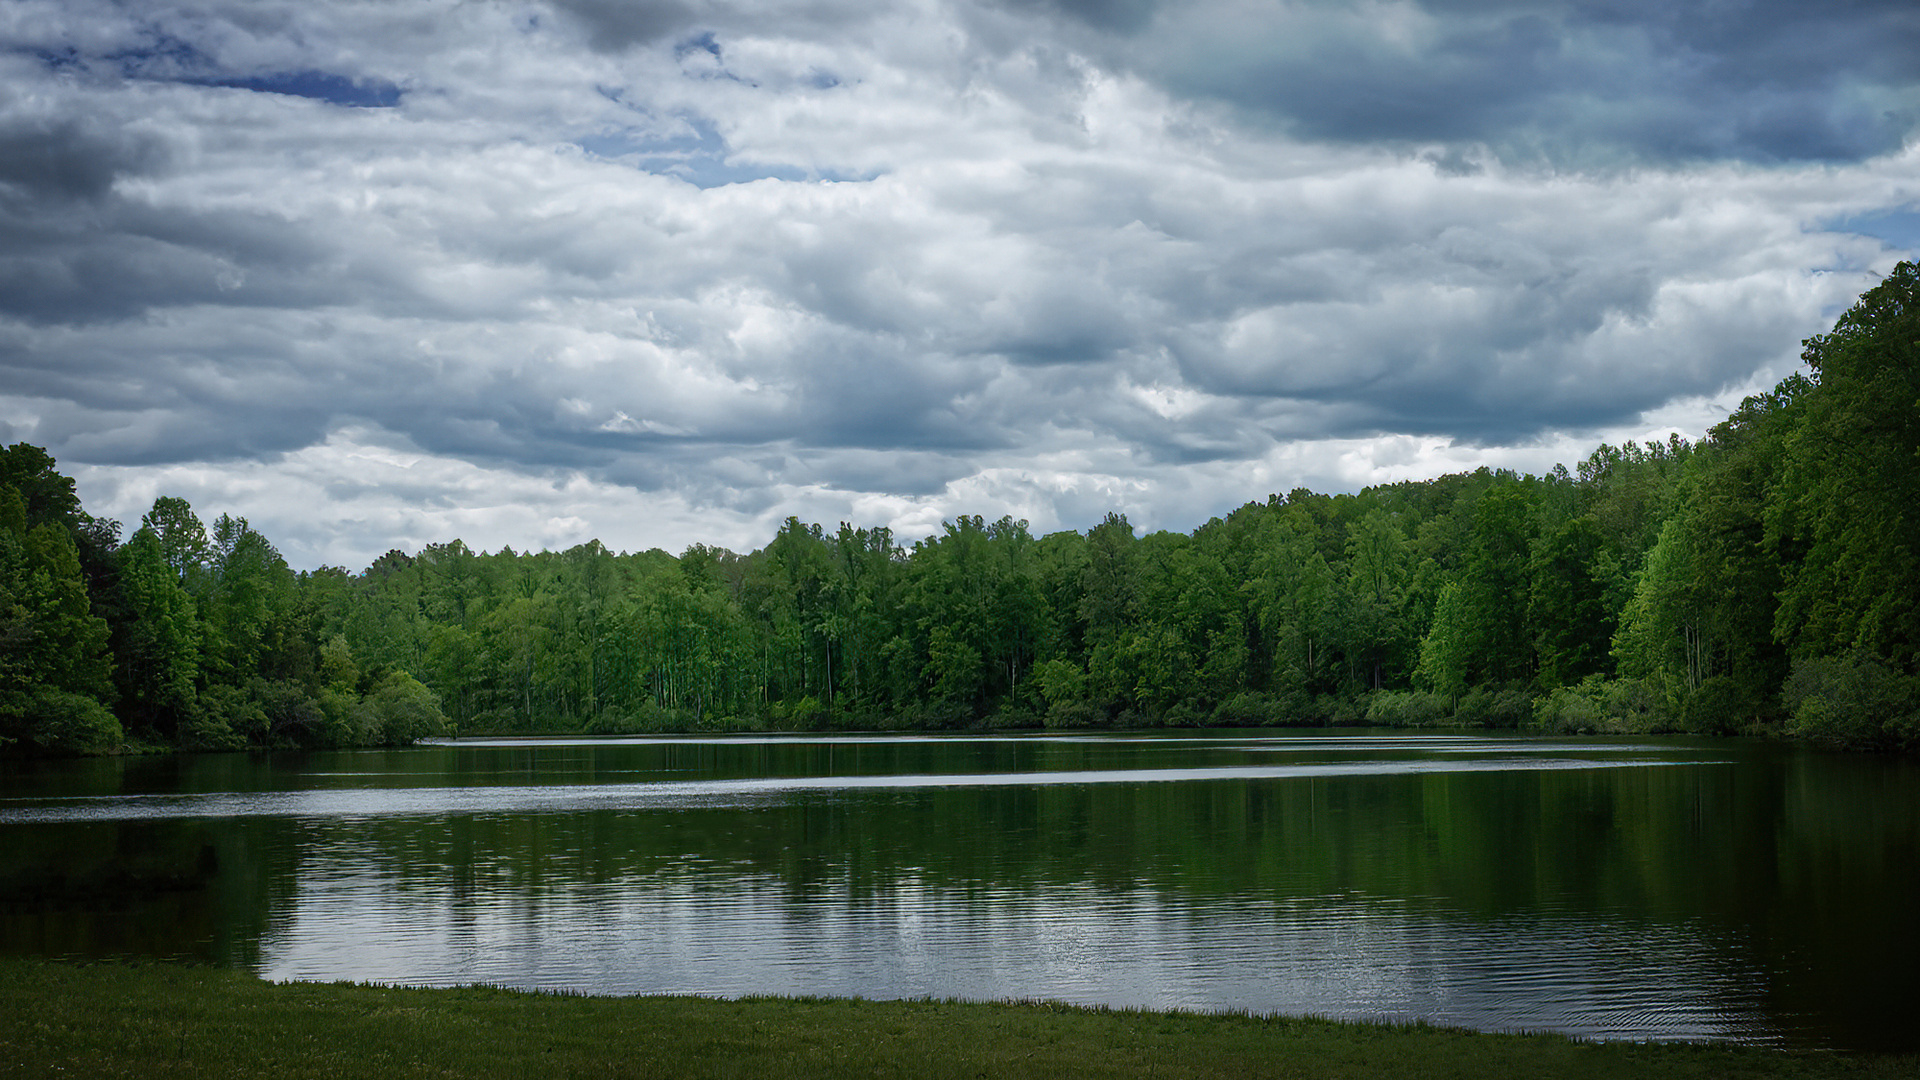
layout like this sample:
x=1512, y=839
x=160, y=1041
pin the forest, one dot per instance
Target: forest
x=1764, y=580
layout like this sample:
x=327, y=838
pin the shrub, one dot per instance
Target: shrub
x=1074, y=714
x=1340, y=711
x=610, y=721
x=1481, y=707
x=1015, y=716
x=1060, y=681
x=57, y=722
x=400, y=710
x=293, y=718
x=1406, y=708
x=223, y=718
x=806, y=714
x=1184, y=714
x=1718, y=706
x=1292, y=706
x=1246, y=709
x=1855, y=702
x=1604, y=706
x=1637, y=705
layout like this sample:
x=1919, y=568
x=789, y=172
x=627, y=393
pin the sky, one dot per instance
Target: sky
x=377, y=274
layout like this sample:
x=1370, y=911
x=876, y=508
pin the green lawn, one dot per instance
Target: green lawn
x=157, y=1020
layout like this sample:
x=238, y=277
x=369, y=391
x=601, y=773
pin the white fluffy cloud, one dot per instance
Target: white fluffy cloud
x=385, y=274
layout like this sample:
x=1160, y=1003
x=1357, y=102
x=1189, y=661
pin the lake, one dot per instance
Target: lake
x=1613, y=888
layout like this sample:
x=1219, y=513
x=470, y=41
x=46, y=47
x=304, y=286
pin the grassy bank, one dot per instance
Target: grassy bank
x=156, y=1020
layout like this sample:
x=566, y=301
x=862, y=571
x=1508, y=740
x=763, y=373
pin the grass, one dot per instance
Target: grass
x=159, y=1020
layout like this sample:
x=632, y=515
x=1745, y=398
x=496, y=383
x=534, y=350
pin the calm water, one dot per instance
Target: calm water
x=1667, y=889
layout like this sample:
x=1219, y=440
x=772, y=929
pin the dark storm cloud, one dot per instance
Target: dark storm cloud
x=613, y=25
x=64, y=266
x=1582, y=83
x=63, y=160
x=1118, y=15
x=88, y=254
x=56, y=190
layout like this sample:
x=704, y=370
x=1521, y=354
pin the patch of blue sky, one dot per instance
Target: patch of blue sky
x=1898, y=227
x=58, y=59
x=704, y=42
x=701, y=158
x=163, y=56
x=172, y=59
x=320, y=86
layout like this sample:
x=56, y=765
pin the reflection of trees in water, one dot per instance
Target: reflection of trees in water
x=1789, y=863
x=180, y=889
x=1664, y=841
x=1794, y=861
x=196, y=889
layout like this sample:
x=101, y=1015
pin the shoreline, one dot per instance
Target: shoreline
x=160, y=1019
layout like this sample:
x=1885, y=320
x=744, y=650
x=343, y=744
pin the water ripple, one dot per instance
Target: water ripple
x=577, y=797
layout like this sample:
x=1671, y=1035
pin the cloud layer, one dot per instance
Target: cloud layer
x=383, y=274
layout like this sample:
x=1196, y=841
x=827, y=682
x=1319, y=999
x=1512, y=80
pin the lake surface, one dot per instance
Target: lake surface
x=1614, y=888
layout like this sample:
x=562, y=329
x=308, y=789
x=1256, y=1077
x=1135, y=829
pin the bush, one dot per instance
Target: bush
x=1406, y=708
x=1719, y=706
x=1074, y=714
x=1015, y=716
x=1637, y=705
x=490, y=721
x=1293, y=706
x=1340, y=711
x=610, y=721
x=1184, y=714
x=648, y=717
x=57, y=722
x=1597, y=705
x=806, y=714
x=293, y=718
x=400, y=710
x=223, y=718
x=1246, y=709
x=1061, y=682
x=1856, y=702
x=344, y=721
x=1481, y=707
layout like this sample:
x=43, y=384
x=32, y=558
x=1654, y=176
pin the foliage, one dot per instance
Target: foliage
x=1848, y=512
x=1854, y=700
x=1408, y=708
x=1766, y=574
x=1597, y=705
x=49, y=720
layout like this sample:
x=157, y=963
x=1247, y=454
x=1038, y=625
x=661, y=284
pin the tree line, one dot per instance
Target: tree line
x=1766, y=578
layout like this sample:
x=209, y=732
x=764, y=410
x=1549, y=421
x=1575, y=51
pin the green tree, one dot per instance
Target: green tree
x=1569, y=607
x=55, y=669
x=1446, y=654
x=1380, y=570
x=158, y=647
x=1494, y=586
x=1847, y=515
x=1292, y=596
x=180, y=536
x=47, y=495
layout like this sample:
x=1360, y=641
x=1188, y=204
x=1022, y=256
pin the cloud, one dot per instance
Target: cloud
x=612, y=25
x=1591, y=84
x=531, y=273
